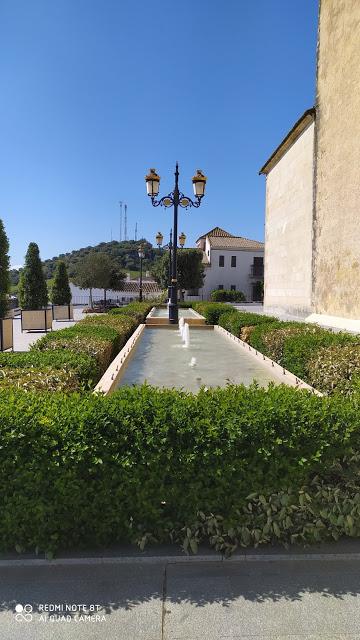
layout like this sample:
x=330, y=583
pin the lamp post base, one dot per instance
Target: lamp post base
x=173, y=313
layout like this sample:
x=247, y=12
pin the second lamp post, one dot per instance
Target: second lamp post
x=175, y=199
x=141, y=256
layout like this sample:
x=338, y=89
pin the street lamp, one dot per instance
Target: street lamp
x=141, y=256
x=175, y=199
x=159, y=239
x=182, y=239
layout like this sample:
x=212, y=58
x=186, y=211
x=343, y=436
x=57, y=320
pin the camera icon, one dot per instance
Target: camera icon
x=23, y=613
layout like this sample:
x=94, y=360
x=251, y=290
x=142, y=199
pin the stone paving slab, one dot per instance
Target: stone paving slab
x=23, y=341
x=129, y=599
x=293, y=599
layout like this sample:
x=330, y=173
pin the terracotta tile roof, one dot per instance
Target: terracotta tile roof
x=148, y=287
x=236, y=243
x=216, y=232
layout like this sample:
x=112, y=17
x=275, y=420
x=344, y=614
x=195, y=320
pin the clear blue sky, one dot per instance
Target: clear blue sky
x=94, y=92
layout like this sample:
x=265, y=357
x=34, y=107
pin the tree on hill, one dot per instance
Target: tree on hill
x=61, y=293
x=4, y=271
x=99, y=271
x=33, y=293
x=189, y=266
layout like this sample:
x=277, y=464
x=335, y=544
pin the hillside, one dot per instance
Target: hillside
x=125, y=253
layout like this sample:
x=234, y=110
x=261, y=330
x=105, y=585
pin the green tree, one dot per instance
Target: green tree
x=33, y=293
x=99, y=271
x=4, y=271
x=189, y=266
x=61, y=293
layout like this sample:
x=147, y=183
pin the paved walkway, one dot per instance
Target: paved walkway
x=284, y=600
x=22, y=341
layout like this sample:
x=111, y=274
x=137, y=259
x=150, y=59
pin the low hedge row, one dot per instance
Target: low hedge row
x=55, y=370
x=73, y=358
x=146, y=463
x=226, y=295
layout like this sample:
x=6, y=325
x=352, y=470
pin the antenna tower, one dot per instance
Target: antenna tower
x=125, y=223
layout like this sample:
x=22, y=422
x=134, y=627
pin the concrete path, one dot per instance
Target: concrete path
x=282, y=600
x=22, y=341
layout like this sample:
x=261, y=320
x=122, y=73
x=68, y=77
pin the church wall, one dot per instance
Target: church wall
x=337, y=193
x=288, y=228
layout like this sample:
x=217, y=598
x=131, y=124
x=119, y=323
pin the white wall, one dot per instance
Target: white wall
x=81, y=296
x=288, y=228
x=228, y=275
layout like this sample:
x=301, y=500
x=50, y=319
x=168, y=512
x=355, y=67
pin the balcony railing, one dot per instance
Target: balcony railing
x=257, y=270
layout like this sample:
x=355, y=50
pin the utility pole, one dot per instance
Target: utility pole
x=121, y=204
x=135, y=232
x=125, y=223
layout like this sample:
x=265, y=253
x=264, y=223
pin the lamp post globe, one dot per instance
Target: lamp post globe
x=199, y=183
x=159, y=239
x=152, y=180
x=182, y=239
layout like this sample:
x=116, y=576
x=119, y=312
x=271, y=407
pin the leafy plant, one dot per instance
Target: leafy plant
x=61, y=293
x=33, y=292
x=225, y=295
x=4, y=271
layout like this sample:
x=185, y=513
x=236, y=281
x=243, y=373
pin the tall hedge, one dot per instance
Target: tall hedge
x=83, y=470
x=61, y=292
x=33, y=293
x=4, y=271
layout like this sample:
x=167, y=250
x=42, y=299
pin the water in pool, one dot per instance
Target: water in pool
x=161, y=359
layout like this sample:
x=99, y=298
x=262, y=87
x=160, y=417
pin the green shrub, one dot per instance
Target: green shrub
x=78, y=366
x=81, y=470
x=335, y=369
x=44, y=379
x=210, y=310
x=234, y=321
x=259, y=336
x=226, y=295
x=299, y=349
x=138, y=310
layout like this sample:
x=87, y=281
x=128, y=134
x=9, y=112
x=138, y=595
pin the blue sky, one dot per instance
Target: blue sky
x=94, y=92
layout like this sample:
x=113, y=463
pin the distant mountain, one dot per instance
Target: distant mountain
x=124, y=253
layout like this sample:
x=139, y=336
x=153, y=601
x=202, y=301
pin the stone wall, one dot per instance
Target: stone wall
x=337, y=217
x=288, y=228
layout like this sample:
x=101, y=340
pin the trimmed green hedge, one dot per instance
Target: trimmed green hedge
x=63, y=370
x=226, y=295
x=235, y=321
x=211, y=310
x=144, y=463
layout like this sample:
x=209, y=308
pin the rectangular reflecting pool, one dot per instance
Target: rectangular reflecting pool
x=183, y=313
x=211, y=359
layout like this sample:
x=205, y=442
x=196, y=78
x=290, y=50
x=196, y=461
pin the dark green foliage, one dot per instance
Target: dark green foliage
x=336, y=369
x=148, y=460
x=33, y=292
x=235, y=321
x=225, y=295
x=301, y=348
x=125, y=255
x=83, y=367
x=211, y=310
x=138, y=310
x=98, y=270
x=61, y=293
x=189, y=266
x=4, y=271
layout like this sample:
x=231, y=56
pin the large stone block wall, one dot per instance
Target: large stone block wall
x=337, y=214
x=288, y=228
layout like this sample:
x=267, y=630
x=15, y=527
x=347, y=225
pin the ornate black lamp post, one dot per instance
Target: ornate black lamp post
x=141, y=256
x=175, y=199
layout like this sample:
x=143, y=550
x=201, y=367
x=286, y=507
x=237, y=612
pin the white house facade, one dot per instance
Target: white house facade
x=231, y=262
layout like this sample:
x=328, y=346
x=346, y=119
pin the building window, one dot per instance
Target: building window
x=233, y=287
x=208, y=252
x=221, y=286
x=233, y=261
x=221, y=261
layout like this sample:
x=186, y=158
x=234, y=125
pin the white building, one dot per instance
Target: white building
x=231, y=262
x=129, y=293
